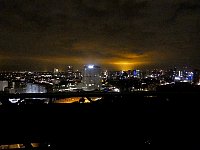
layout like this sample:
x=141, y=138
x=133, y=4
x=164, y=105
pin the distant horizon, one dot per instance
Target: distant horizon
x=103, y=67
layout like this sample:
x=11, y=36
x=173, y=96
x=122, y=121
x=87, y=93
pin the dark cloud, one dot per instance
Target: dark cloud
x=186, y=7
x=55, y=33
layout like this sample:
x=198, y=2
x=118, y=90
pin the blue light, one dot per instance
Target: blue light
x=135, y=73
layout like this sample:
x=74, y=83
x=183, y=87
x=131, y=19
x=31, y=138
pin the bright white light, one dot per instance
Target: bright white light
x=91, y=66
x=12, y=100
x=177, y=78
x=116, y=90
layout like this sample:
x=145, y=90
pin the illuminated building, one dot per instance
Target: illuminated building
x=92, y=78
x=77, y=74
x=129, y=72
x=112, y=75
x=105, y=74
x=34, y=88
x=70, y=72
x=124, y=75
x=190, y=76
x=55, y=70
x=136, y=73
x=3, y=85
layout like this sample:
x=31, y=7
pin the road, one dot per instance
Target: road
x=76, y=99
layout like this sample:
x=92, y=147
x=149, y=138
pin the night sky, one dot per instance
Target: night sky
x=116, y=34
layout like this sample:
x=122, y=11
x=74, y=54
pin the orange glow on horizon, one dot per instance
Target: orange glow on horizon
x=125, y=61
x=123, y=65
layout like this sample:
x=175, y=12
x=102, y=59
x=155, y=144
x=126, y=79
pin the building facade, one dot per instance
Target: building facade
x=70, y=72
x=92, y=79
x=3, y=85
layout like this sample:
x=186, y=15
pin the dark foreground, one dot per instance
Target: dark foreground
x=127, y=122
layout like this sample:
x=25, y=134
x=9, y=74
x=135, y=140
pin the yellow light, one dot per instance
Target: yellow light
x=124, y=65
x=35, y=144
x=128, y=65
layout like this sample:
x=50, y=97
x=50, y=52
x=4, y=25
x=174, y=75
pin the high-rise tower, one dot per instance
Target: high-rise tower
x=91, y=77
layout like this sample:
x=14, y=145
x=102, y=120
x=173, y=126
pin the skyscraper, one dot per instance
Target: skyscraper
x=91, y=78
x=77, y=74
x=70, y=72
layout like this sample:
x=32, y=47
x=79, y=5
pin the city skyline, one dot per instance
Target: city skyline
x=118, y=35
x=80, y=68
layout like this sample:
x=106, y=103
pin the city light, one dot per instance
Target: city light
x=91, y=66
x=93, y=78
x=13, y=100
x=116, y=90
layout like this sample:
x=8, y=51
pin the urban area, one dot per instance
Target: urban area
x=94, y=78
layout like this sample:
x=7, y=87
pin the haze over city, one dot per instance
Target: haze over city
x=120, y=34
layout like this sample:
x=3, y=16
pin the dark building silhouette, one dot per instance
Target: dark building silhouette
x=196, y=76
